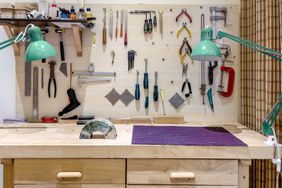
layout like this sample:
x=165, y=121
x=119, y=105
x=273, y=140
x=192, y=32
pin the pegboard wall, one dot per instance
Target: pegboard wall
x=162, y=54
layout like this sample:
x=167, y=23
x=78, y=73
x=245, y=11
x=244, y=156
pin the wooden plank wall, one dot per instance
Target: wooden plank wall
x=92, y=96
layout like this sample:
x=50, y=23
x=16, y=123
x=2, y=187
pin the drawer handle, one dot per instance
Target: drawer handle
x=69, y=175
x=182, y=175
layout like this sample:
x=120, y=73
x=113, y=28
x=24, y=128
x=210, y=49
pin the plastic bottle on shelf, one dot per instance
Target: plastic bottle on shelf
x=81, y=14
x=72, y=13
x=53, y=10
x=88, y=13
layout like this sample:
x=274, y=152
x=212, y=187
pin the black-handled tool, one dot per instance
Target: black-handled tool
x=156, y=88
x=52, y=79
x=146, y=24
x=210, y=71
x=44, y=31
x=146, y=76
x=150, y=28
x=137, y=87
x=62, y=51
x=131, y=57
x=186, y=82
x=155, y=22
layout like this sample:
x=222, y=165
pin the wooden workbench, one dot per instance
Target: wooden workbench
x=37, y=155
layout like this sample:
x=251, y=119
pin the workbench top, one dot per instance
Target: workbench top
x=62, y=141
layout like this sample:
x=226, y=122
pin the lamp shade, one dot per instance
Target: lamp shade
x=206, y=50
x=38, y=48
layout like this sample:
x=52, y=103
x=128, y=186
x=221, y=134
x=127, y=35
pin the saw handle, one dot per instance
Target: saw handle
x=231, y=80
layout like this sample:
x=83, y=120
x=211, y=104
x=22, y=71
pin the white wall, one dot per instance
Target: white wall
x=7, y=63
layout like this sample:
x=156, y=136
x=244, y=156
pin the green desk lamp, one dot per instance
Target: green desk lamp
x=207, y=50
x=38, y=48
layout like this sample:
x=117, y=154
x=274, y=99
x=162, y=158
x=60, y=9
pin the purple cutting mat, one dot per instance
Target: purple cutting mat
x=192, y=136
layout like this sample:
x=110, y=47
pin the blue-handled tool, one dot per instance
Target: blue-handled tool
x=146, y=76
x=137, y=87
x=209, y=93
x=147, y=100
x=156, y=88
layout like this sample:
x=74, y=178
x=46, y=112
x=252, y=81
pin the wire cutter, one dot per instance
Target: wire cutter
x=52, y=78
x=183, y=55
x=184, y=26
x=186, y=82
x=184, y=11
x=185, y=42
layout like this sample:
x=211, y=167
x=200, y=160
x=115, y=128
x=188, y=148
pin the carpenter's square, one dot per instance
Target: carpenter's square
x=121, y=23
x=125, y=28
x=137, y=87
x=111, y=24
x=156, y=88
x=146, y=76
x=27, y=73
x=116, y=24
x=104, y=27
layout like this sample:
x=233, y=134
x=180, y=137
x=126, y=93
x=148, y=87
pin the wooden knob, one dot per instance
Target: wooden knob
x=182, y=175
x=69, y=175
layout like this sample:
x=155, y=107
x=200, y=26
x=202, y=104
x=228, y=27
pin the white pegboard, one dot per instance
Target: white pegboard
x=92, y=96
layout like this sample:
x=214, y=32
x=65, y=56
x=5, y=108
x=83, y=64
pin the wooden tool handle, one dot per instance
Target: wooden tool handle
x=121, y=31
x=104, y=36
x=69, y=175
x=182, y=175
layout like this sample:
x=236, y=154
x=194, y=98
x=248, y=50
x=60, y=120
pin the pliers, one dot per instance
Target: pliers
x=185, y=41
x=186, y=82
x=184, y=11
x=183, y=55
x=184, y=26
x=52, y=78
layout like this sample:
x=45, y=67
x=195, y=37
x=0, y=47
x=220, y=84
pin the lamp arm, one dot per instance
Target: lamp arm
x=271, y=117
x=267, y=51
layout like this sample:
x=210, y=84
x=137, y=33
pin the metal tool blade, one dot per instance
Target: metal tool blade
x=27, y=72
x=64, y=69
x=111, y=24
x=137, y=77
x=126, y=21
x=121, y=16
x=87, y=73
x=35, y=111
x=146, y=65
x=105, y=17
x=42, y=78
x=156, y=78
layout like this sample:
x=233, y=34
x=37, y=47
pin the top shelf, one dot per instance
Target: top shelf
x=64, y=23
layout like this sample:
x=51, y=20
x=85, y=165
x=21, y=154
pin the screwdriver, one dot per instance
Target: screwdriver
x=147, y=100
x=146, y=76
x=155, y=20
x=156, y=88
x=146, y=24
x=137, y=87
x=150, y=28
x=104, y=27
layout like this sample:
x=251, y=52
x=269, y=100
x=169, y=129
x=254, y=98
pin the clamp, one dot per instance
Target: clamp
x=184, y=26
x=52, y=78
x=184, y=11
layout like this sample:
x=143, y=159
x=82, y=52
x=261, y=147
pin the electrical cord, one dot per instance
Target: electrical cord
x=21, y=36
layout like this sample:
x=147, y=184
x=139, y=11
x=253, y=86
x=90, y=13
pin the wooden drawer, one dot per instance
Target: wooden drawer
x=177, y=186
x=94, y=171
x=206, y=172
x=72, y=186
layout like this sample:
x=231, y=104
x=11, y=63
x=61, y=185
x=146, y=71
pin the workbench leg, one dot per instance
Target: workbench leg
x=243, y=179
x=8, y=173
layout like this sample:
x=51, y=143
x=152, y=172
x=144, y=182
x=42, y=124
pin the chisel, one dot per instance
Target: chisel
x=125, y=28
x=156, y=88
x=104, y=28
x=146, y=76
x=121, y=23
x=137, y=87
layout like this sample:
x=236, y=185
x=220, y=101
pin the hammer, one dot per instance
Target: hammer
x=62, y=51
x=43, y=32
